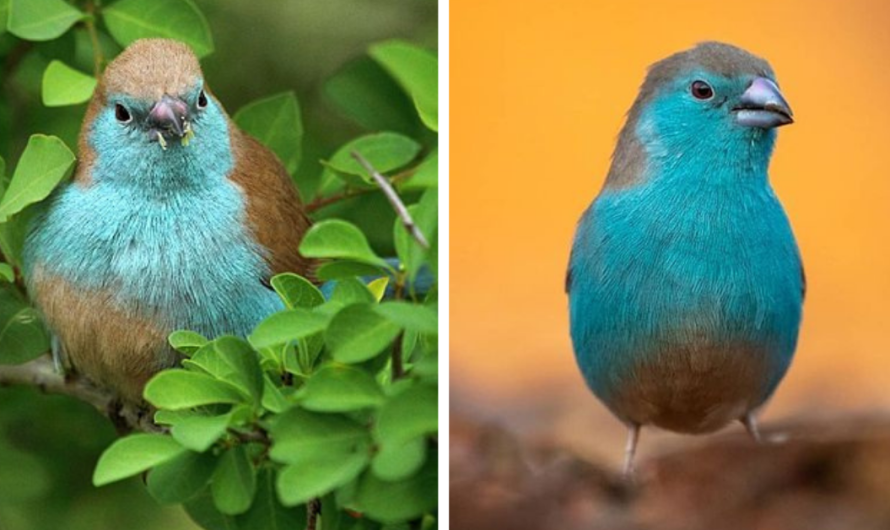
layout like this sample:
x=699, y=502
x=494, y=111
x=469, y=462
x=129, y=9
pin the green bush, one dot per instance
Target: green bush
x=330, y=403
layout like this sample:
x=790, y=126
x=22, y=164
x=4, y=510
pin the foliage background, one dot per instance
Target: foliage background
x=49, y=444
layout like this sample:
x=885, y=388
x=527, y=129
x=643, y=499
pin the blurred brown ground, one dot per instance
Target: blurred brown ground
x=827, y=474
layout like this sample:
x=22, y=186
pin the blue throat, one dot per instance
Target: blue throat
x=699, y=249
x=165, y=230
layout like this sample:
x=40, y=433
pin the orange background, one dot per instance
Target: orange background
x=539, y=90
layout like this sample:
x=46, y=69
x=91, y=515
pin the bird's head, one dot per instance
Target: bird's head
x=152, y=111
x=714, y=100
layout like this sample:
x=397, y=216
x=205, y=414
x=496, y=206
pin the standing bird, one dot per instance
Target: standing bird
x=685, y=283
x=175, y=219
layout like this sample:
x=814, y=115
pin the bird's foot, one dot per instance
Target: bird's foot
x=751, y=425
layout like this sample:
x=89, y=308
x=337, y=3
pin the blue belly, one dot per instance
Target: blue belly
x=688, y=299
x=184, y=260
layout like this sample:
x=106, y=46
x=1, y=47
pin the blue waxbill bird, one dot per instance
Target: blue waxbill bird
x=175, y=219
x=685, y=283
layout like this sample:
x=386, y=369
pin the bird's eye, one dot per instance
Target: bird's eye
x=701, y=90
x=122, y=114
x=202, y=100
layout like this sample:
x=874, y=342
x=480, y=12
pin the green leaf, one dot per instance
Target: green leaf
x=363, y=91
x=85, y=52
x=416, y=69
x=352, y=291
x=63, y=85
x=302, y=481
x=273, y=399
x=4, y=16
x=202, y=510
x=234, y=483
x=28, y=478
x=285, y=326
x=296, y=291
x=427, y=365
x=357, y=333
x=22, y=337
x=40, y=20
x=385, y=151
x=378, y=287
x=179, y=389
x=395, y=502
x=130, y=20
x=187, y=342
x=299, y=435
x=4, y=180
x=13, y=233
x=6, y=273
x=134, y=454
x=337, y=270
x=172, y=417
x=410, y=414
x=339, y=388
x=426, y=175
x=181, y=478
x=199, y=433
x=414, y=317
x=426, y=217
x=267, y=513
x=275, y=121
x=398, y=461
x=45, y=162
x=242, y=366
x=335, y=238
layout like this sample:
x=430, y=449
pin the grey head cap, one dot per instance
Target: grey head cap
x=724, y=59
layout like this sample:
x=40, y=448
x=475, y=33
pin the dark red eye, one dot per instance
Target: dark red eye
x=701, y=90
x=122, y=114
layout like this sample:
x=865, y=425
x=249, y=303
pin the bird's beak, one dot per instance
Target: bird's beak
x=762, y=105
x=169, y=116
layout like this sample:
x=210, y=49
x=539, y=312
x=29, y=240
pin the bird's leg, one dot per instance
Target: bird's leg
x=633, y=436
x=750, y=423
x=58, y=355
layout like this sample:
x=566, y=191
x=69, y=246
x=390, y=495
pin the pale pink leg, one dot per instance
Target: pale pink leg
x=750, y=423
x=633, y=436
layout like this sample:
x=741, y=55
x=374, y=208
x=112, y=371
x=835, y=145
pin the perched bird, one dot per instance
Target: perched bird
x=685, y=283
x=175, y=219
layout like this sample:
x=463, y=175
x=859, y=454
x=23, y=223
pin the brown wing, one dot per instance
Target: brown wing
x=274, y=210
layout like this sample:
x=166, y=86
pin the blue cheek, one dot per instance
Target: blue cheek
x=681, y=133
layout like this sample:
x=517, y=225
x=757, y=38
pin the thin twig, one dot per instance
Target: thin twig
x=259, y=435
x=321, y=202
x=398, y=364
x=41, y=373
x=313, y=508
x=90, y=23
x=394, y=200
x=15, y=57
